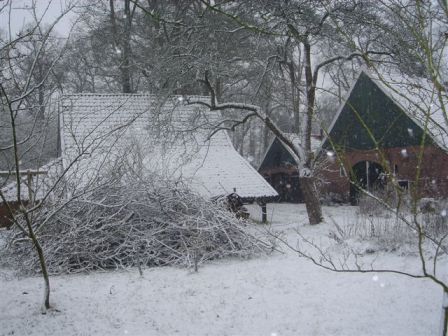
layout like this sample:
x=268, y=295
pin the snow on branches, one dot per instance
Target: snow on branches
x=151, y=222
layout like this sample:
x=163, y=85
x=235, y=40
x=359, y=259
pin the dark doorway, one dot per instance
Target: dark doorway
x=367, y=175
x=287, y=186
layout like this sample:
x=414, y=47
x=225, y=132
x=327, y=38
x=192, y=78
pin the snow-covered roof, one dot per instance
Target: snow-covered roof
x=416, y=96
x=166, y=135
x=419, y=99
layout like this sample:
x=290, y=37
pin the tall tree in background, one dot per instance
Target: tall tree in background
x=45, y=75
x=100, y=55
x=32, y=62
x=121, y=33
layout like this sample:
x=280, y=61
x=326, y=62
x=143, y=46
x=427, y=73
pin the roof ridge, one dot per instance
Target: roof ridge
x=147, y=94
x=107, y=94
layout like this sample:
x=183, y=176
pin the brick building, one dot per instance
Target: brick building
x=387, y=127
x=379, y=134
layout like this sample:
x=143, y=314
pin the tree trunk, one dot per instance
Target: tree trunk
x=252, y=140
x=45, y=275
x=265, y=138
x=41, y=94
x=122, y=41
x=43, y=265
x=444, y=318
x=307, y=183
x=125, y=66
x=265, y=130
x=310, y=195
x=295, y=93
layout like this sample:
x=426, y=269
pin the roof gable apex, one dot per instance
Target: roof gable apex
x=276, y=155
x=370, y=116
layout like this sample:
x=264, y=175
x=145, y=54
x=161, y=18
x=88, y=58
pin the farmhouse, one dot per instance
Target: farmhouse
x=108, y=133
x=379, y=134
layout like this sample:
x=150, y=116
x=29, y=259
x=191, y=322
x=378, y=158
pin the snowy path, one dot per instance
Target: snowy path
x=276, y=295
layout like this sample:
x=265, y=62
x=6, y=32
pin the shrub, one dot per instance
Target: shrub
x=387, y=232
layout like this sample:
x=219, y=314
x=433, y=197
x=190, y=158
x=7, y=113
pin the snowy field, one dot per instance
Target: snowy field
x=280, y=294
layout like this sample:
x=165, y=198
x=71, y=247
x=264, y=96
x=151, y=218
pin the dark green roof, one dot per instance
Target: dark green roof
x=369, y=117
x=276, y=156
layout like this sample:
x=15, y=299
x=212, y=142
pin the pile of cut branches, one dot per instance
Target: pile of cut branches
x=121, y=225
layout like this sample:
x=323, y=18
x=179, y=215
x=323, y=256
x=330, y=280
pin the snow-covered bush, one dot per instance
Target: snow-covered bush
x=390, y=195
x=375, y=221
x=436, y=221
x=150, y=222
x=386, y=232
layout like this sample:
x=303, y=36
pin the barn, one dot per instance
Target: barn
x=102, y=133
x=379, y=134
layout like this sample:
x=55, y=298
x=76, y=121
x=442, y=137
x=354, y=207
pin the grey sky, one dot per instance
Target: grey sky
x=18, y=13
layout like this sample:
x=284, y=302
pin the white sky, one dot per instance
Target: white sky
x=18, y=13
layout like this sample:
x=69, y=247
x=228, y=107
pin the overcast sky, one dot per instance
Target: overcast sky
x=20, y=13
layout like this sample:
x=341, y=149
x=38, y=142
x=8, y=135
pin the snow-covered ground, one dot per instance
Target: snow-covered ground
x=280, y=294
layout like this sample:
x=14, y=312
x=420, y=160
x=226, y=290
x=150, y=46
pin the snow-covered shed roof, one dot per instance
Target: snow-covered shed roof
x=165, y=135
x=416, y=96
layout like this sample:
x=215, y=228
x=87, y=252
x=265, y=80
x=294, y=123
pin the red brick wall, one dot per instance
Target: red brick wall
x=4, y=214
x=433, y=173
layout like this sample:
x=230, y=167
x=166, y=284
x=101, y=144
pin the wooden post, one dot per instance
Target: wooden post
x=264, y=217
x=367, y=176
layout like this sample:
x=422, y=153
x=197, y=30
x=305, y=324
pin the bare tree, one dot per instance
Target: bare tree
x=18, y=85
